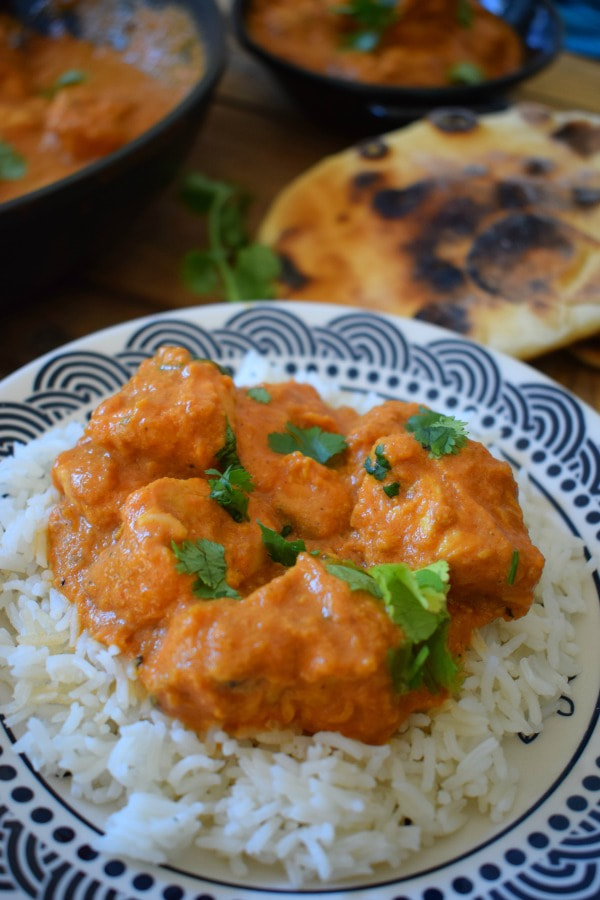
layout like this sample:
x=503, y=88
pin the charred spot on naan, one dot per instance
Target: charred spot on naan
x=520, y=256
x=582, y=136
x=291, y=275
x=375, y=148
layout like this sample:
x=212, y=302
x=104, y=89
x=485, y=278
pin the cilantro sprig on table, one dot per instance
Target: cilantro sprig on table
x=206, y=560
x=314, y=442
x=232, y=267
x=440, y=434
x=369, y=20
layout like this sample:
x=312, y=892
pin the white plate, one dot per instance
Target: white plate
x=550, y=846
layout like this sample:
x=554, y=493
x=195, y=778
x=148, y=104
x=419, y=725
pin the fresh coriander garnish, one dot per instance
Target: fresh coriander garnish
x=227, y=455
x=416, y=601
x=13, y=164
x=314, y=442
x=370, y=19
x=69, y=78
x=217, y=365
x=230, y=489
x=464, y=13
x=357, y=579
x=260, y=394
x=206, y=560
x=514, y=565
x=380, y=467
x=280, y=550
x=230, y=486
x=440, y=434
x=392, y=489
x=232, y=267
x=466, y=73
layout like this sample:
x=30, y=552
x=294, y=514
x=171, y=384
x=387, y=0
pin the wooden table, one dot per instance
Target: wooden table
x=255, y=137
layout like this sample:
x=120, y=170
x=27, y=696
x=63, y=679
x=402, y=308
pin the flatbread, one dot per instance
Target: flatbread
x=488, y=225
x=587, y=351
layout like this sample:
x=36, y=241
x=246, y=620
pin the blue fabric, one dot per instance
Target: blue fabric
x=582, y=26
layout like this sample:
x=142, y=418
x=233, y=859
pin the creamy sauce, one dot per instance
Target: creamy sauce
x=299, y=648
x=66, y=102
x=421, y=49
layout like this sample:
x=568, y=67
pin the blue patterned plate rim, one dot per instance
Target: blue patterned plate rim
x=553, y=847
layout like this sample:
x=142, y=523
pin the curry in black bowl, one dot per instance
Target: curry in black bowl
x=371, y=64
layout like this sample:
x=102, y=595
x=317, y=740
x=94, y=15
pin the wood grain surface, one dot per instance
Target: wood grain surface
x=254, y=136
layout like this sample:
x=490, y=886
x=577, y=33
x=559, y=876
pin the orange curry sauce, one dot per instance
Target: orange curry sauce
x=421, y=49
x=66, y=102
x=300, y=649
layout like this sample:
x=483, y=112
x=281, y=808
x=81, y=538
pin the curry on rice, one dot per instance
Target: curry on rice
x=252, y=549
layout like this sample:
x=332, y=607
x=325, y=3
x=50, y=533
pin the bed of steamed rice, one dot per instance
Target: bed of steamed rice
x=322, y=807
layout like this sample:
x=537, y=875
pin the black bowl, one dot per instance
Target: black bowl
x=368, y=109
x=47, y=233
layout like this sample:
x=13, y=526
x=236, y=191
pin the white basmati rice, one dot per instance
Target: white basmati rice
x=322, y=808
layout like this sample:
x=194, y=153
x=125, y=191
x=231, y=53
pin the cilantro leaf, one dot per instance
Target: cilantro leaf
x=280, y=550
x=466, y=73
x=369, y=19
x=232, y=267
x=442, y=668
x=206, y=560
x=416, y=602
x=464, y=13
x=440, y=434
x=380, y=467
x=200, y=271
x=392, y=489
x=207, y=359
x=406, y=605
x=313, y=442
x=260, y=394
x=256, y=270
x=230, y=489
x=356, y=578
x=13, y=164
x=69, y=78
x=227, y=455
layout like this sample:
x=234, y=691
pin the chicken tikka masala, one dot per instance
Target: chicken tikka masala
x=270, y=561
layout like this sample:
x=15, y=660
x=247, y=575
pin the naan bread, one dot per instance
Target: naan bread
x=488, y=225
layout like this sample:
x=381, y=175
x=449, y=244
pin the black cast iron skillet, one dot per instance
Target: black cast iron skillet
x=47, y=233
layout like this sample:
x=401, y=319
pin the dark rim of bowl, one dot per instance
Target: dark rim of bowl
x=209, y=24
x=444, y=95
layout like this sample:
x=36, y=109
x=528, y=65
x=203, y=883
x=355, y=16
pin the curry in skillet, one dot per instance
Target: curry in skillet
x=270, y=561
x=66, y=102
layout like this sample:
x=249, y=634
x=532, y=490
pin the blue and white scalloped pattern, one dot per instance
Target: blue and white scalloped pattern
x=540, y=424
